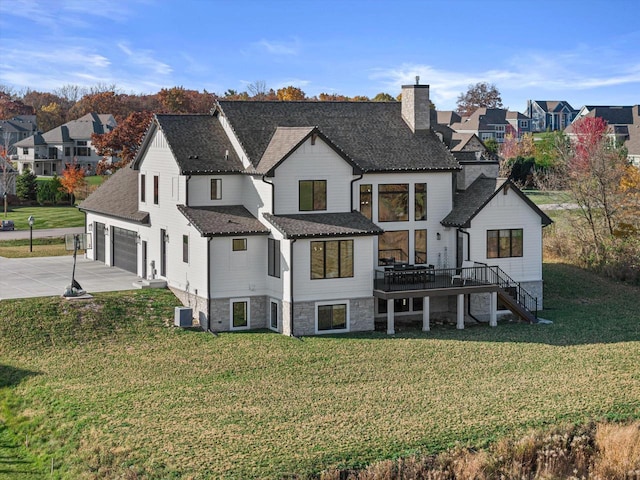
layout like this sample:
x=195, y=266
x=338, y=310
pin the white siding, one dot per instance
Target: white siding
x=240, y=273
x=360, y=285
x=313, y=162
x=509, y=211
x=232, y=190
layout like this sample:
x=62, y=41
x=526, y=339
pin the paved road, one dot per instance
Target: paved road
x=48, y=276
x=40, y=233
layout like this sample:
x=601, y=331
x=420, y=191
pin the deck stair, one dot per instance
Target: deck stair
x=516, y=298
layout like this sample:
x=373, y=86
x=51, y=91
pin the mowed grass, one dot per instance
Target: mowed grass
x=44, y=217
x=540, y=197
x=109, y=388
x=42, y=247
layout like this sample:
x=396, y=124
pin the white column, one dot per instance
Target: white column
x=390, y=317
x=460, y=311
x=493, y=310
x=425, y=314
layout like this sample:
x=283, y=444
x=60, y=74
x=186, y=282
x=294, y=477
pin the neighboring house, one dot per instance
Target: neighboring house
x=8, y=176
x=550, y=115
x=46, y=154
x=493, y=123
x=317, y=217
x=15, y=129
x=623, y=126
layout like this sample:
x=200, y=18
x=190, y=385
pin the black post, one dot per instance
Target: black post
x=75, y=251
x=31, y=236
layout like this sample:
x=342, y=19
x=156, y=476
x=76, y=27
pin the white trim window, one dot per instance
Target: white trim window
x=332, y=316
x=240, y=313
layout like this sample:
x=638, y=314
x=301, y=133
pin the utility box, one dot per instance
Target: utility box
x=183, y=317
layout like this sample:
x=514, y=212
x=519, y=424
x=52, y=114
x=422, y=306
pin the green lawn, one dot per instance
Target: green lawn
x=44, y=217
x=42, y=247
x=108, y=388
x=540, y=197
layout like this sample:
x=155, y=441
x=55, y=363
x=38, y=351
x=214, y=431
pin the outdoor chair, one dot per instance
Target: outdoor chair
x=465, y=272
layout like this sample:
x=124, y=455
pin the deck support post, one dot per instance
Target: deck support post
x=493, y=310
x=390, y=317
x=425, y=314
x=460, y=312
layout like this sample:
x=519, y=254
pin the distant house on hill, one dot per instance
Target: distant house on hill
x=46, y=154
x=550, y=115
x=494, y=123
x=623, y=126
x=15, y=129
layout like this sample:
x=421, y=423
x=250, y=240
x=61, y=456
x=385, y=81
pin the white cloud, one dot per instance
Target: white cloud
x=280, y=48
x=145, y=59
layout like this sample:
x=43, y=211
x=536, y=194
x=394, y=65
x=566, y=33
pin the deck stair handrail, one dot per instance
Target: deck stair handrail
x=520, y=295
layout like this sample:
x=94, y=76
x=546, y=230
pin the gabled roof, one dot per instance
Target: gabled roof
x=468, y=203
x=117, y=197
x=482, y=119
x=372, y=135
x=613, y=115
x=20, y=123
x=223, y=221
x=318, y=225
x=32, y=141
x=286, y=140
x=198, y=143
x=79, y=129
x=552, y=106
x=447, y=117
x=460, y=140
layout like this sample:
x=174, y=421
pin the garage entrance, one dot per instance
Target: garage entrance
x=125, y=249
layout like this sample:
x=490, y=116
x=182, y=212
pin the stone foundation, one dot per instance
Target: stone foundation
x=199, y=305
x=361, y=316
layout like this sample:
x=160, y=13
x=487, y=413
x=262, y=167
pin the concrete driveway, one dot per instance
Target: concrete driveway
x=47, y=276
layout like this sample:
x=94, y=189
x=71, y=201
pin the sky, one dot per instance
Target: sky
x=585, y=52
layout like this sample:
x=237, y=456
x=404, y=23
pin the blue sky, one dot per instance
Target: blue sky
x=585, y=52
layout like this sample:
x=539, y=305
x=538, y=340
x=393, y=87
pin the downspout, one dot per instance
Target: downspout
x=186, y=200
x=209, y=284
x=352, y=182
x=273, y=200
x=291, y=286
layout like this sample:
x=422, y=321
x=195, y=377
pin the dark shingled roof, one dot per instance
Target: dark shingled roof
x=198, y=143
x=223, y=221
x=372, y=135
x=117, y=197
x=468, y=203
x=324, y=225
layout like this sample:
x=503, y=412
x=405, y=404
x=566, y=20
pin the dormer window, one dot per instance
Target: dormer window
x=312, y=195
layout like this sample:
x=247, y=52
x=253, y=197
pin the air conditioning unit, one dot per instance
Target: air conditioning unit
x=183, y=317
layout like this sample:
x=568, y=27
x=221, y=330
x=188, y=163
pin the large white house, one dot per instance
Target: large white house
x=46, y=154
x=316, y=217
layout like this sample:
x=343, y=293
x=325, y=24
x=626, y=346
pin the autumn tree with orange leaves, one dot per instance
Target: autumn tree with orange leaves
x=72, y=179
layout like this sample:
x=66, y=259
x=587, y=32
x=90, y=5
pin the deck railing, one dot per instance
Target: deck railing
x=415, y=277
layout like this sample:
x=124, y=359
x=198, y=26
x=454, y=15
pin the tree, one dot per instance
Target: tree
x=597, y=173
x=26, y=186
x=482, y=94
x=491, y=145
x=102, y=102
x=72, y=179
x=383, y=97
x=332, y=97
x=123, y=141
x=10, y=108
x=291, y=93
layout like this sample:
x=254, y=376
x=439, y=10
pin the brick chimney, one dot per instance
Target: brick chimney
x=415, y=106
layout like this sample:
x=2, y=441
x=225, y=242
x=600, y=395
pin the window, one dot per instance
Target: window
x=393, y=202
x=365, y=201
x=332, y=317
x=524, y=124
x=504, y=243
x=273, y=315
x=240, y=313
x=500, y=128
x=312, y=195
x=143, y=188
x=420, y=201
x=25, y=151
x=67, y=151
x=331, y=259
x=239, y=244
x=420, y=246
x=216, y=188
x=185, y=248
x=393, y=247
x=156, y=189
x=273, y=255
x=82, y=150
